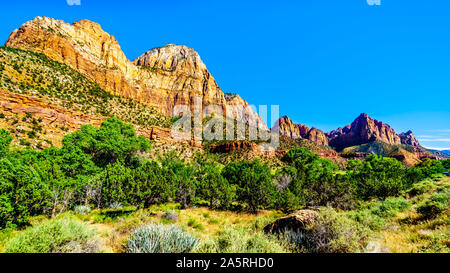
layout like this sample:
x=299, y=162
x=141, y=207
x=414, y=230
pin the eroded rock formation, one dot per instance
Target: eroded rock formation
x=162, y=77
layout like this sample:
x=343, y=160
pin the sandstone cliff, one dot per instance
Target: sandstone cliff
x=161, y=78
x=284, y=126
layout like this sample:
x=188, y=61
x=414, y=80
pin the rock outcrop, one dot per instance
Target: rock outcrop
x=55, y=121
x=284, y=126
x=161, y=78
x=234, y=146
x=366, y=130
x=297, y=222
x=58, y=121
x=408, y=138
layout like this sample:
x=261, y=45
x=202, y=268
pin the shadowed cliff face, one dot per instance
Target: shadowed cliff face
x=161, y=78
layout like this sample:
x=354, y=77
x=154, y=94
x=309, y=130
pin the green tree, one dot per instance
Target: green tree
x=446, y=164
x=114, y=141
x=429, y=167
x=152, y=185
x=253, y=183
x=215, y=188
x=22, y=193
x=117, y=184
x=379, y=177
x=5, y=141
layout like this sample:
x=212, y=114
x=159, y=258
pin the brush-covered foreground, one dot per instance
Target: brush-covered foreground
x=402, y=224
x=103, y=191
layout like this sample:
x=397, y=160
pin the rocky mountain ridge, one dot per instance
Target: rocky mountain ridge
x=361, y=131
x=161, y=78
x=366, y=130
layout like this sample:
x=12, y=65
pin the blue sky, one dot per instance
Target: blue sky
x=323, y=61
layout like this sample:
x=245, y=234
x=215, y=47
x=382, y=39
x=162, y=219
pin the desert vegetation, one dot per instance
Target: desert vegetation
x=101, y=192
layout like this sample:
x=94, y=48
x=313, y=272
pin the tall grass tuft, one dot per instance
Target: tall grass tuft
x=158, y=238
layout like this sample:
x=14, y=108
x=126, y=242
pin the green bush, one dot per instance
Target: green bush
x=157, y=238
x=194, y=224
x=63, y=235
x=431, y=209
x=379, y=177
x=421, y=187
x=375, y=215
x=242, y=240
x=367, y=218
x=389, y=207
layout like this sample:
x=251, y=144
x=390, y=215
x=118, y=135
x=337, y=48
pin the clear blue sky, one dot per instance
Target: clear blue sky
x=323, y=61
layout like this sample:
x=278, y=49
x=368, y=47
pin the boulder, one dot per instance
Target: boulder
x=297, y=221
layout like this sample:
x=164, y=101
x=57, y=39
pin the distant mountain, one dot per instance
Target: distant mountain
x=366, y=130
x=440, y=154
x=363, y=130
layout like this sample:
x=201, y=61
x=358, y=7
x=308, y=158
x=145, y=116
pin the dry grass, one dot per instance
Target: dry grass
x=202, y=222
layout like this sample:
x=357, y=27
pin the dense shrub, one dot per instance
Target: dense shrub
x=253, y=183
x=5, y=141
x=242, y=240
x=158, y=238
x=431, y=208
x=446, y=164
x=379, y=177
x=389, y=207
x=314, y=182
x=59, y=235
x=215, y=188
x=23, y=193
x=428, y=167
x=421, y=187
x=114, y=141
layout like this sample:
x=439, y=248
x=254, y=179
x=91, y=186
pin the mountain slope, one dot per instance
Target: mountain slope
x=161, y=78
x=35, y=88
x=35, y=74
